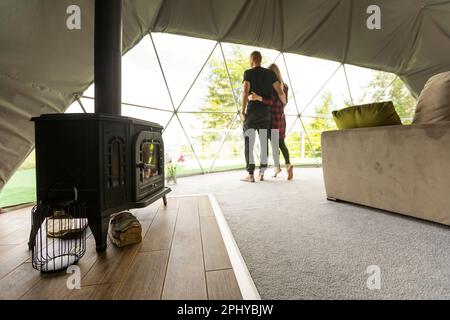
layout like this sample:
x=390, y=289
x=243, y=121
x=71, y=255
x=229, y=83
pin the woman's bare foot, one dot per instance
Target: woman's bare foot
x=249, y=178
x=290, y=171
x=276, y=171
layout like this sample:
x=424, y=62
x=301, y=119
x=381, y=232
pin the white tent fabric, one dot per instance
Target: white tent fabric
x=44, y=66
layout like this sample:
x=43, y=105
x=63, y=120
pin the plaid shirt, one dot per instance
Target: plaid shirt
x=278, y=120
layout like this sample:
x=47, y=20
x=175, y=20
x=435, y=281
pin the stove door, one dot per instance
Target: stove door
x=149, y=162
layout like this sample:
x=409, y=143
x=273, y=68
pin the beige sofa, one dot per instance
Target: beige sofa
x=403, y=169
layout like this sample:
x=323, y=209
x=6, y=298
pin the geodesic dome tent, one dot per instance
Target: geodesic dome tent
x=45, y=67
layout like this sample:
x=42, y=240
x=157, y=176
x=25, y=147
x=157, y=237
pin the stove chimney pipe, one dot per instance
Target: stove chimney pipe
x=108, y=56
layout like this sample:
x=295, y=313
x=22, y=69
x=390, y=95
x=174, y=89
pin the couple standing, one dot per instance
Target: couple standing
x=264, y=96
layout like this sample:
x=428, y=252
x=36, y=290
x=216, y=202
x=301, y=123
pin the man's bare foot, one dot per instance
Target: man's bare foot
x=249, y=178
x=276, y=171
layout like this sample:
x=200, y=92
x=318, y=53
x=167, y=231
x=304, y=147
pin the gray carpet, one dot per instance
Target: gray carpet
x=298, y=245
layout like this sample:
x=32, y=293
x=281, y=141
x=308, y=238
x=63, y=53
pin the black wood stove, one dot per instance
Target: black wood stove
x=114, y=162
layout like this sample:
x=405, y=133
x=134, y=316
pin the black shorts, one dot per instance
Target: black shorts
x=257, y=124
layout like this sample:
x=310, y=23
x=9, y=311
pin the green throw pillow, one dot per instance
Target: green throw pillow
x=367, y=115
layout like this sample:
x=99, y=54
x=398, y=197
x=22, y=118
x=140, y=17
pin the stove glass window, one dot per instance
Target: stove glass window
x=150, y=160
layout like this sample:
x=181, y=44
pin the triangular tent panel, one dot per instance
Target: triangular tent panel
x=333, y=95
x=206, y=132
x=211, y=91
x=367, y=85
x=142, y=80
x=316, y=73
x=179, y=150
x=182, y=58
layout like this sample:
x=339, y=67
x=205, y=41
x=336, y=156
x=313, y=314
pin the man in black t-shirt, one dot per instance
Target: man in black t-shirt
x=256, y=114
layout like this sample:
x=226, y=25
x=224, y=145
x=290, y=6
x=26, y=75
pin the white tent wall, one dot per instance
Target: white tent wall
x=44, y=66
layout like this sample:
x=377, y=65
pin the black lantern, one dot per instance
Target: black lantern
x=58, y=234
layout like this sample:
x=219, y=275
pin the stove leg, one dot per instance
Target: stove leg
x=99, y=228
x=165, y=200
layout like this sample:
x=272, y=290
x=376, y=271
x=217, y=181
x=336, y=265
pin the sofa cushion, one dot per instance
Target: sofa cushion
x=367, y=115
x=434, y=100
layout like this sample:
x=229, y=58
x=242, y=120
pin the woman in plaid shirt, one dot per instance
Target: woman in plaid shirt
x=278, y=121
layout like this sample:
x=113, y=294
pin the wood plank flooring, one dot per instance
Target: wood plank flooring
x=182, y=256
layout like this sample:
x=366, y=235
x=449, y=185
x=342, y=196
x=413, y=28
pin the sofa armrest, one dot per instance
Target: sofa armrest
x=404, y=169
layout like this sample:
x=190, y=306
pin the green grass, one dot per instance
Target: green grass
x=21, y=188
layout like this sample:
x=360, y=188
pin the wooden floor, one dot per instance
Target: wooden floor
x=182, y=256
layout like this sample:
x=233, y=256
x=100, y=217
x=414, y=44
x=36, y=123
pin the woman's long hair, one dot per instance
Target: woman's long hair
x=275, y=69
